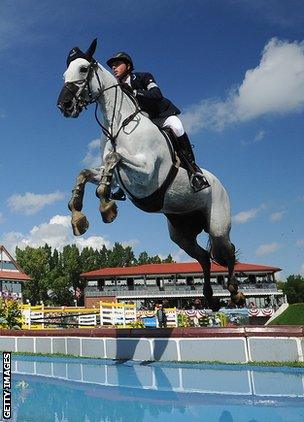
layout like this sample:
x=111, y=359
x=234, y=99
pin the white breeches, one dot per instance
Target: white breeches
x=173, y=122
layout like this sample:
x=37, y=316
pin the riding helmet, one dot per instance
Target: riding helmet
x=124, y=57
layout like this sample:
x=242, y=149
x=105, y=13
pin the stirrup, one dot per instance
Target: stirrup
x=119, y=195
x=198, y=182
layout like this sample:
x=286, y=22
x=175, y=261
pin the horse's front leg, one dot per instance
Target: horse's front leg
x=107, y=206
x=79, y=221
x=237, y=297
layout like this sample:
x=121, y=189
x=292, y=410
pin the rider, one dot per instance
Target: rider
x=160, y=110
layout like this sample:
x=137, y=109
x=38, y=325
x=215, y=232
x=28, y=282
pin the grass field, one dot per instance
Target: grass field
x=294, y=315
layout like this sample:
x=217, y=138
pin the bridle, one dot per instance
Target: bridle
x=74, y=91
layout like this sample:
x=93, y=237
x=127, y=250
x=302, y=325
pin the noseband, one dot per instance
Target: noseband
x=70, y=100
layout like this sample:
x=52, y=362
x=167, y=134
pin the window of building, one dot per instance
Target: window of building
x=252, y=278
x=130, y=283
x=151, y=282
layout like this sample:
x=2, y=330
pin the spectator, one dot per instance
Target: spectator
x=161, y=316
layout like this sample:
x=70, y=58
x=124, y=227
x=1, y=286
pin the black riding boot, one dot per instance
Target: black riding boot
x=197, y=179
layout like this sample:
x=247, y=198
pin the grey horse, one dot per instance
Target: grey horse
x=147, y=171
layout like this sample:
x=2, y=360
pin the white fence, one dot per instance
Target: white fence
x=38, y=317
x=90, y=319
x=117, y=313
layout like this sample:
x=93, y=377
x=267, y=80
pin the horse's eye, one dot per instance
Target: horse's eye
x=83, y=69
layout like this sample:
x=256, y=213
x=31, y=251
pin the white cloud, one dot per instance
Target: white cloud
x=56, y=233
x=131, y=242
x=258, y=137
x=180, y=256
x=302, y=269
x=267, y=248
x=94, y=152
x=277, y=216
x=275, y=86
x=1, y=218
x=30, y=203
x=300, y=243
x=245, y=216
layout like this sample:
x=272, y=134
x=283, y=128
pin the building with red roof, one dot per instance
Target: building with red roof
x=11, y=275
x=179, y=284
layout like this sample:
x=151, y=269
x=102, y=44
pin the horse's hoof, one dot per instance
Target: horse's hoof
x=80, y=223
x=215, y=304
x=238, y=299
x=108, y=211
x=233, y=288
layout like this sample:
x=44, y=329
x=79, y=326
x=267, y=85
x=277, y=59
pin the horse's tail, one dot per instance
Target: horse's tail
x=222, y=251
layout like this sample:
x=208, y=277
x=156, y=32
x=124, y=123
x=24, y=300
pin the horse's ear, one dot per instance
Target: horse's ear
x=91, y=50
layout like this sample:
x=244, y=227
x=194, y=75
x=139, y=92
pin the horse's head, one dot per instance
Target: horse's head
x=79, y=89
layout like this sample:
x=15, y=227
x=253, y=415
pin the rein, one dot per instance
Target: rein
x=109, y=133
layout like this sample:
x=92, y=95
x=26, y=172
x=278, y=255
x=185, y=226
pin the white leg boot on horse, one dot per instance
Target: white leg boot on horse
x=79, y=221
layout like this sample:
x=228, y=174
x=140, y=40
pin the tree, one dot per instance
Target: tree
x=155, y=260
x=121, y=256
x=35, y=263
x=54, y=261
x=168, y=260
x=294, y=288
x=129, y=257
x=60, y=290
x=71, y=266
x=89, y=259
x=143, y=258
x=103, y=257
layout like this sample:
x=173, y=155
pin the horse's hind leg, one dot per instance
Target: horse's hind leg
x=79, y=221
x=183, y=231
x=223, y=252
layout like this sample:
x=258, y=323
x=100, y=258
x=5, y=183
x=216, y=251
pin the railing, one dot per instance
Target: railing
x=117, y=313
x=92, y=291
x=122, y=314
x=113, y=314
x=40, y=317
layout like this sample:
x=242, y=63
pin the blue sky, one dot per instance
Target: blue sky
x=235, y=68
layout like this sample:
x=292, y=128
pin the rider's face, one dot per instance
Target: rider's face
x=120, y=68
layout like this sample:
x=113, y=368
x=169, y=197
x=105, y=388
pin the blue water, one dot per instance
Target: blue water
x=72, y=390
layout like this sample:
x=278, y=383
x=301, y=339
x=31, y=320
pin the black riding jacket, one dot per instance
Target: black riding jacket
x=150, y=98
